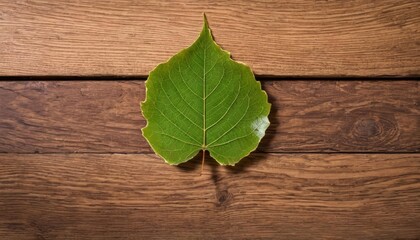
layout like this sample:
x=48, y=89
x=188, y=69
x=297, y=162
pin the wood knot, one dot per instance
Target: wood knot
x=224, y=197
x=366, y=130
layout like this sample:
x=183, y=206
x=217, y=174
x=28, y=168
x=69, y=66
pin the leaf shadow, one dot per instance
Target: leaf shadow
x=222, y=196
x=191, y=165
x=246, y=163
x=271, y=131
x=242, y=166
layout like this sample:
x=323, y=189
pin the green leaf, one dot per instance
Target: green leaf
x=202, y=100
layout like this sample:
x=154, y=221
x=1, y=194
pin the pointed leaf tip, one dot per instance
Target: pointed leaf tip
x=206, y=24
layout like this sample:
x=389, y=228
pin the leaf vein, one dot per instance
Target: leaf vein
x=179, y=93
x=224, y=134
x=232, y=140
x=176, y=125
x=228, y=109
x=183, y=80
x=178, y=139
x=192, y=70
x=214, y=65
x=218, y=83
x=170, y=101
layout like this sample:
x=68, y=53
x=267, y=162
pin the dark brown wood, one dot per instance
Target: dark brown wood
x=287, y=37
x=124, y=196
x=307, y=116
x=341, y=159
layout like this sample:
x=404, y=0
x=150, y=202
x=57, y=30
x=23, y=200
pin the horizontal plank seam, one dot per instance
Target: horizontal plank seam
x=258, y=77
x=145, y=153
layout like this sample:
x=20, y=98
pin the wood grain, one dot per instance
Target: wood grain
x=266, y=196
x=306, y=116
x=287, y=38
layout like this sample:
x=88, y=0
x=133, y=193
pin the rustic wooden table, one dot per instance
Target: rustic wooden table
x=341, y=159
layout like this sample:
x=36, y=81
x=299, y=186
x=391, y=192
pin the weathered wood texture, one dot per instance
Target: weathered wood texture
x=288, y=38
x=341, y=159
x=307, y=116
x=267, y=196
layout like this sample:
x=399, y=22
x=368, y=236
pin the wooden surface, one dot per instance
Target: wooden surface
x=277, y=38
x=307, y=116
x=341, y=159
x=295, y=196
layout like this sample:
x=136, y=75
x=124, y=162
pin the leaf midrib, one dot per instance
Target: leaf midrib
x=204, y=100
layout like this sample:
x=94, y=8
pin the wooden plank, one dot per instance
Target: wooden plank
x=306, y=116
x=266, y=196
x=287, y=38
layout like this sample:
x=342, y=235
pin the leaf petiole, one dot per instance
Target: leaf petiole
x=202, y=161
